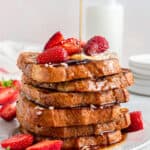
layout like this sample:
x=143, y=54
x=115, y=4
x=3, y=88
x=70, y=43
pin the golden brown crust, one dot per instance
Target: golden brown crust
x=121, y=80
x=48, y=98
x=84, y=141
x=40, y=73
x=77, y=131
x=39, y=116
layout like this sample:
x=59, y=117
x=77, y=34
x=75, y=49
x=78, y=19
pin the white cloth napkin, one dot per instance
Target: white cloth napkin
x=9, y=51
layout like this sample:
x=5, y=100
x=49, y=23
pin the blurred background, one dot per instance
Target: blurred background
x=33, y=21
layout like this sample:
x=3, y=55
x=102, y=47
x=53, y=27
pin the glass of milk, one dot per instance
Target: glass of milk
x=105, y=18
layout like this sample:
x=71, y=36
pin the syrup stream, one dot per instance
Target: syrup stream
x=80, y=20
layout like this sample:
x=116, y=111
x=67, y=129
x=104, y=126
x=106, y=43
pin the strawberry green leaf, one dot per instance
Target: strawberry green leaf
x=8, y=148
x=7, y=83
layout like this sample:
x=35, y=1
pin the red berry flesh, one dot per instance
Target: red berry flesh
x=47, y=145
x=8, y=112
x=54, y=40
x=18, y=142
x=136, y=122
x=96, y=45
x=53, y=55
x=71, y=45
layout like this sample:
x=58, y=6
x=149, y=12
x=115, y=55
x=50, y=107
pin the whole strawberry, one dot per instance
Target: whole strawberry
x=53, y=55
x=96, y=45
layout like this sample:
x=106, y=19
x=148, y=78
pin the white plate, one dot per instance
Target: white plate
x=140, y=76
x=140, y=89
x=142, y=82
x=142, y=61
x=141, y=71
x=135, y=141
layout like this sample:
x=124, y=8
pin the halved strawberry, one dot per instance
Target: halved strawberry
x=8, y=112
x=53, y=55
x=136, y=122
x=8, y=95
x=16, y=84
x=96, y=45
x=18, y=142
x=71, y=45
x=47, y=145
x=54, y=40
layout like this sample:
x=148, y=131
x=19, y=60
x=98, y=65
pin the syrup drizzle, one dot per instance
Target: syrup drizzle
x=73, y=62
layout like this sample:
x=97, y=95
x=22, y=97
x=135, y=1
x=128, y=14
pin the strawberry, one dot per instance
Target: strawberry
x=136, y=122
x=96, y=45
x=54, y=40
x=18, y=142
x=53, y=55
x=47, y=145
x=82, y=43
x=6, y=83
x=71, y=45
x=16, y=84
x=8, y=112
x=8, y=95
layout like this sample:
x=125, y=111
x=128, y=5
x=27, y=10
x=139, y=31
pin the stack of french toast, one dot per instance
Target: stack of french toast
x=76, y=101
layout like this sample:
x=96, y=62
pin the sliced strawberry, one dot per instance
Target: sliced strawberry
x=53, y=55
x=136, y=122
x=71, y=45
x=7, y=95
x=96, y=45
x=18, y=142
x=47, y=145
x=8, y=112
x=17, y=84
x=54, y=40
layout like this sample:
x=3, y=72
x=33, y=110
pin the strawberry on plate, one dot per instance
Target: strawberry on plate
x=71, y=45
x=54, y=40
x=9, y=90
x=16, y=84
x=96, y=45
x=136, y=122
x=47, y=145
x=18, y=142
x=8, y=95
x=6, y=83
x=53, y=55
x=8, y=112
